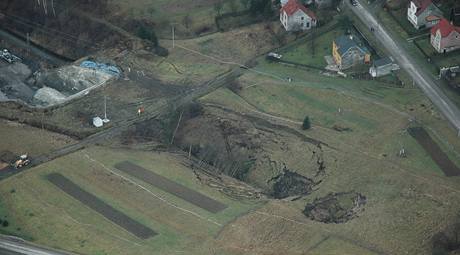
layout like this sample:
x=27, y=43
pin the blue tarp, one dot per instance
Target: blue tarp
x=113, y=70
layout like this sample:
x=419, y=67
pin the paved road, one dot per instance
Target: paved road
x=10, y=246
x=424, y=80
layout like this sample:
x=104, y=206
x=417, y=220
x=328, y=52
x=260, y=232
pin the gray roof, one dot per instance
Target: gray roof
x=345, y=42
x=383, y=61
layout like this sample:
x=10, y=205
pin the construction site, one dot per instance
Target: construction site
x=149, y=128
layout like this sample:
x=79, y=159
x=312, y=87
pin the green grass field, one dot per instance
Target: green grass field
x=189, y=228
x=313, y=51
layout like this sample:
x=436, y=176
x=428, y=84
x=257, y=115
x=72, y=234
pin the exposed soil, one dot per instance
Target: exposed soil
x=291, y=183
x=253, y=150
x=171, y=187
x=447, y=241
x=432, y=148
x=101, y=207
x=335, y=207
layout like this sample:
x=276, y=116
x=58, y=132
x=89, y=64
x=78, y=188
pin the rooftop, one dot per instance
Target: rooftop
x=294, y=5
x=345, y=42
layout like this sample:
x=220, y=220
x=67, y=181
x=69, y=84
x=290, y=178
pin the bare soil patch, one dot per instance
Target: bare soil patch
x=171, y=187
x=335, y=207
x=432, y=148
x=291, y=183
x=101, y=207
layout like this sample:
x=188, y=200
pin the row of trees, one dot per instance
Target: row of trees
x=256, y=7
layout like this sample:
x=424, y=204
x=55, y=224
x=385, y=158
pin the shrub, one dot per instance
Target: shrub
x=306, y=123
x=147, y=34
x=161, y=51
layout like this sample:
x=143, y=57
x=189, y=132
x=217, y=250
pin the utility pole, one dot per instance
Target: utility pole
x=105, y=120
x=172, y=28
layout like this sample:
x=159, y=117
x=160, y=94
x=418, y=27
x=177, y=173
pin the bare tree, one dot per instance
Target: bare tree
x=187, y=21
x=218, y=7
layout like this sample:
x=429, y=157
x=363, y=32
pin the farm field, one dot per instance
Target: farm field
x=45, y=212
x=368, y=164
x=20, y=139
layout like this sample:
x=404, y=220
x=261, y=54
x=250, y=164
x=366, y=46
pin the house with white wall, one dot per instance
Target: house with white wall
x=294, y=16
x=423, y=13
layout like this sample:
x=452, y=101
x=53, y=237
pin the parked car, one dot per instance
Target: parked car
x=274, y=56
x=354, y=2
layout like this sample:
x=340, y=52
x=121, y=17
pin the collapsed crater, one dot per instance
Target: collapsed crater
x=335, y=207
x=290, y=183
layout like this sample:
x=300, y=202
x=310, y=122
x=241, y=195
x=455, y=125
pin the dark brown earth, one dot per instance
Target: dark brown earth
x=435, y=152
x=291, y=183
x=101, y=207
x=335, y=207
x=171, y=187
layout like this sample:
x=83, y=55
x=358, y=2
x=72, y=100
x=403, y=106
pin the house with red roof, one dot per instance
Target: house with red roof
x=445, y=36
x=294, y=16
x=423, y=13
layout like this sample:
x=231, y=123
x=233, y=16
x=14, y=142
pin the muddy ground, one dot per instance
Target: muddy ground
x=243, y=147
x=101, y=207
x=336, y=207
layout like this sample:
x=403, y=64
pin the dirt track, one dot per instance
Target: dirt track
x=432, y=148
x=171, y=187
x=101, y=207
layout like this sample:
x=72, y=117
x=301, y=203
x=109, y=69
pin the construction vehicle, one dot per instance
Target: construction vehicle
x=8, y=57
x=21, y=161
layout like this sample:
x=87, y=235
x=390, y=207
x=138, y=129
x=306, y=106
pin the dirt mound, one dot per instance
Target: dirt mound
x=49, y=96
x=335, y=207
x=71, y=79
x=290, y=183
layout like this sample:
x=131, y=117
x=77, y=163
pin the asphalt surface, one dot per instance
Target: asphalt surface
x=424, y=80
x=11, y=246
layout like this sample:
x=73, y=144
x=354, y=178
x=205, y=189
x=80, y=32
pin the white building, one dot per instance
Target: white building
x=423, y=13
x=294, y=16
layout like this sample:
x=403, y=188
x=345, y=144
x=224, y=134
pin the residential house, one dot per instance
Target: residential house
x=423, y=13
x=383, y=66
x=445, y=36
x=294, y=16
x=348, y=50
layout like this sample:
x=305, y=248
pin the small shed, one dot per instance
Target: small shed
x=383, y=66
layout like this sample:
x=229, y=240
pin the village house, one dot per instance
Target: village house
x=348, y=51
x=445, y=36
x=383, y=66
x=423, y=13
x=294, y=16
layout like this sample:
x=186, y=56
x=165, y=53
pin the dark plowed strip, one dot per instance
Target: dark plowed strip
x=171, y=187
x=100, y=206
x=432, y=148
